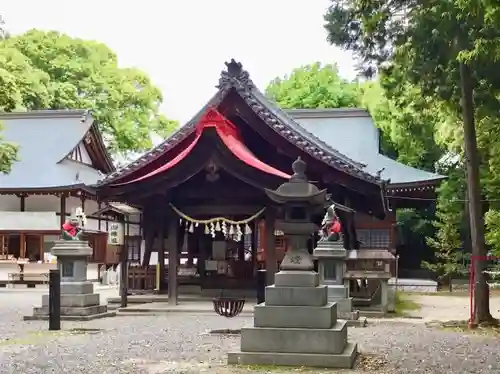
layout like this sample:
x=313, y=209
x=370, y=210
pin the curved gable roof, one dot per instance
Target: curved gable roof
x=235, y=78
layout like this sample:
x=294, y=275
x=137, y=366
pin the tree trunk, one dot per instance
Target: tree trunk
x=466, y=226
x=476, y=221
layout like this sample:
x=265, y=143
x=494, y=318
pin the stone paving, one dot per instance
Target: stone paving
x=179, y=343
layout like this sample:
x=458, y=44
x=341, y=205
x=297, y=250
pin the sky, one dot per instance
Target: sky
x=183, y=45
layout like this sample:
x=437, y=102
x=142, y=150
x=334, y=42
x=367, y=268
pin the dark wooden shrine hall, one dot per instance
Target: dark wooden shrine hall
x=215, y=168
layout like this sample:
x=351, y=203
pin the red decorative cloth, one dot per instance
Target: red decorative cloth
x=70, y=229
x=336, y=227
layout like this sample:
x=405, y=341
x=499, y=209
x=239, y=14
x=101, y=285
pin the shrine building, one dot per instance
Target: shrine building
x=61, y=156
x=201, y=192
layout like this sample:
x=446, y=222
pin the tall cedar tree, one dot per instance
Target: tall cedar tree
x=449, y=49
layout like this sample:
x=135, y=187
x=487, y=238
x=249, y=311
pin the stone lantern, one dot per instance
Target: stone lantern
x=78, y=300
x=300, y=200
x=296, y=326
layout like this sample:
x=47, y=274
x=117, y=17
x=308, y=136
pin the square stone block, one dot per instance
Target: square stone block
x=296, y=278
x=76, y=300
x=344, y=360
x=337, y=292
x=77, y=288
x=344, y=306
x=296, y=296
x=308, y=317
x=290, y=340
x=73, y=311
x=326, y=250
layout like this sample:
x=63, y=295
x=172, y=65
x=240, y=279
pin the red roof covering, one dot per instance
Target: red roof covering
x=229, y=135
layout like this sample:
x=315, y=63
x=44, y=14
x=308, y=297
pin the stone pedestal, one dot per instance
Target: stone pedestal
x=78, y=300
x=296, y=326
x=331, y=266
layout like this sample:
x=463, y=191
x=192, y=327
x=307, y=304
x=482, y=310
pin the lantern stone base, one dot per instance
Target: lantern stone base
x=78, y=300
x=344, y=360
x=78, y=303
x=297, y=326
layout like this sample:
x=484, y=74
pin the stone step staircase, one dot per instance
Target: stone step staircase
x=297, y=326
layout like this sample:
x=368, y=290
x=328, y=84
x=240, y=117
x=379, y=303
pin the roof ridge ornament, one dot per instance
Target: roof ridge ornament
x=233, y=75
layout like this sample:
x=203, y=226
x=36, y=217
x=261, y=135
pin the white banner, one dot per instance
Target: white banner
x=116, y=233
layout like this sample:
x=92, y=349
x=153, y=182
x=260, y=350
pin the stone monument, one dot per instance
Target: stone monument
x=331, y=256
x=78, y=300
x=296, y=326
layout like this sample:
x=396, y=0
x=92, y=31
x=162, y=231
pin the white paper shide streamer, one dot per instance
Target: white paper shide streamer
x=229, y=228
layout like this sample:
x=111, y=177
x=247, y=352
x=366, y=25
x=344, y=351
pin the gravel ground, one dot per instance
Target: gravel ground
x=449, y=307
x=179, y=343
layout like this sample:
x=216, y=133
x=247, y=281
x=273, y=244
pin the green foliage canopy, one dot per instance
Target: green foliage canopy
x=50, y=70
x=314, y=86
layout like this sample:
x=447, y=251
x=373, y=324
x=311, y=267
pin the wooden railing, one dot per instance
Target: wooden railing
x=142, y=278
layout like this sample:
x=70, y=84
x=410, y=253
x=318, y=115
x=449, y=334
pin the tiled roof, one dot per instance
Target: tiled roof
x=340, y=128
x=45, y=138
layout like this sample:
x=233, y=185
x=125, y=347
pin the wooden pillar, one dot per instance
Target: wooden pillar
x=22, y=236
x=191, y=247
x=41, y=249
x=62, y=209
x=82, y=200
x=254, y=242
x=202, y=254
x=173, y=257
x=241, y=250
x=148, y=223
x=181, y=238
x=351, y=227
x=22, y=202
x=22, y=245
x=148, y=244
x=393, y=231
x=99, y=207
x=270, y=240
x=162, y=286
x=124, y=272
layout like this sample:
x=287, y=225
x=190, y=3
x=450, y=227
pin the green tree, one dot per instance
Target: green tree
x=405, y=112
x=450, y=50
x=3, y=32
x=72, y=73
x=23, y=86
x=8, y=154
x=449, y=256
x=10, y=97
x=314, y=86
